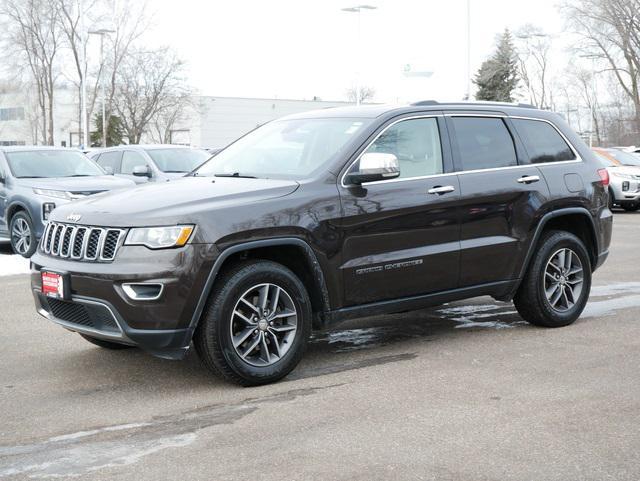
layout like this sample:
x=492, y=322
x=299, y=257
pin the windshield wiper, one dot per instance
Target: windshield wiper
x=236, y=174
x=32, y=177
x=79, y=175
x=175, y=171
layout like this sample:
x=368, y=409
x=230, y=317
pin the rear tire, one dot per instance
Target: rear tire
x=23, y=238
x=255, y=328
x=105, y=344
x=556, y=287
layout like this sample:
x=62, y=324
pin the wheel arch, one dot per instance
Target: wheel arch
x=576, y=220
x=14, y=208
x=294, y=253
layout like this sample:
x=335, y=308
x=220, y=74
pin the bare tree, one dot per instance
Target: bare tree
x=366, y=94
x=175, y=111
x=33, y=33
x=147, y=85
x=533, y=61
x=611, y=28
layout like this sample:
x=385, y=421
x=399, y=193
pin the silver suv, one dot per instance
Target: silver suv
x=624, y=172
x=35, y=180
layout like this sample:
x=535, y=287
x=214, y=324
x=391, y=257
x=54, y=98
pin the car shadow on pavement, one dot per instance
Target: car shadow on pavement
x=353, y=345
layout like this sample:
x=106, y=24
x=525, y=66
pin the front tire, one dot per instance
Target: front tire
x=556, y=287
x=256, y=325
x=23, y=240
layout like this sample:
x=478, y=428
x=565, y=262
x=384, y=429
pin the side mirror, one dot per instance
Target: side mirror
x=141, y=171
x=374, y=166
x=108, y=169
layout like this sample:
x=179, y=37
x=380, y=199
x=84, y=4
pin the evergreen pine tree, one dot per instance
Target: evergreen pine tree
x=498, y=75
x=115, y=132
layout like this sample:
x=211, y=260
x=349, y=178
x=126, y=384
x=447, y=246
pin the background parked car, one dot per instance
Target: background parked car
x=150, y=163
x=624, y=171
x=34, y=180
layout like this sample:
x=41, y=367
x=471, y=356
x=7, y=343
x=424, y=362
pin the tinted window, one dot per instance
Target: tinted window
x=416, y=144
x=484, y=143
x=110, y=160
x=130, y=160
x=543, y=142
x=51, y=163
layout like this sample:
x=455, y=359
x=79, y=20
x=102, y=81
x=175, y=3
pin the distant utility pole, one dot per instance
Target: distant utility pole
x=102, y=32
x=358, y=9
x=83, y=72
x=594, y=87
x=468, y=73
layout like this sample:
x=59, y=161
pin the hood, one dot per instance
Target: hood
x=626, y=169
x=166, y=203
x=94, y=183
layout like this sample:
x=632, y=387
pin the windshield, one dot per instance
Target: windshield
x=625, y=158
x=603, y=159
x=51, y=163
x=285, y=149
x=178, y=160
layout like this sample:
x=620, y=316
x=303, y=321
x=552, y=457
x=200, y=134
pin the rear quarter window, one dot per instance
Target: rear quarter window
x=543, y=142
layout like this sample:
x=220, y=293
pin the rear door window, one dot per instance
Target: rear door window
x=110, y=160
x=543, y=142
x=484, y=143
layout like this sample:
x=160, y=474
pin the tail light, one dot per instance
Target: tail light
x=604, y=176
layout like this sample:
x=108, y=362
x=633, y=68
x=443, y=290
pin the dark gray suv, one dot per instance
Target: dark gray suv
x=330, y=215
x=35, y=180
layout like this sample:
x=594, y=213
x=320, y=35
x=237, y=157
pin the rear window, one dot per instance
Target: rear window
x=484, y=143
x=543, y=142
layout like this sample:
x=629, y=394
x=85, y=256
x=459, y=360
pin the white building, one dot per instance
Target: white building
x=213, y=122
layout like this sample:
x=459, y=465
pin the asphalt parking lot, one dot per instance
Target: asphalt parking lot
x=466, y=391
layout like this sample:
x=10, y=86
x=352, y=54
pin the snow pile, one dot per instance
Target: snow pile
x=11, y=265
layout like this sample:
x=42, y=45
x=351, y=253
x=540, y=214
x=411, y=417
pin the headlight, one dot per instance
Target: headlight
x=160, y=237
x=622, y=176
x=60, y=194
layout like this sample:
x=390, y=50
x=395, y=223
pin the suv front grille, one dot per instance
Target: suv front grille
x=82, y=243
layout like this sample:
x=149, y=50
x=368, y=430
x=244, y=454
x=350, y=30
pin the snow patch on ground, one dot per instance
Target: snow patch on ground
x=13, y=264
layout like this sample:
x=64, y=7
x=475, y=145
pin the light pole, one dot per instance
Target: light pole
x=102, y=32
x=468, y=73
x=358, y=9
x=594, y=86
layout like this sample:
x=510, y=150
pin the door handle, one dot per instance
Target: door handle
x=528, y=179
x=440, y=190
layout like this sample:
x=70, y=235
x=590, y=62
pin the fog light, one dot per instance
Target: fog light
x=47, y=208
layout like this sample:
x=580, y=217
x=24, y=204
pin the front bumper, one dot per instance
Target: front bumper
x=99, y=306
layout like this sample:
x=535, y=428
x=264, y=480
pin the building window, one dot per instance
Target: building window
x=9, y=143
x=12, y=114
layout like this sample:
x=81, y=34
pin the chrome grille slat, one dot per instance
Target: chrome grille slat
x=83, y=243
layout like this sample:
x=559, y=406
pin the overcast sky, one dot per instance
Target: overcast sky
x=305, y=48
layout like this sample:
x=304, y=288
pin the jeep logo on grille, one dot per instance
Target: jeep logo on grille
x=74, y=217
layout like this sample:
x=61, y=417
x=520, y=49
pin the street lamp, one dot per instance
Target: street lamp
x=358, y=9
x=593, y=57
x=102, y=32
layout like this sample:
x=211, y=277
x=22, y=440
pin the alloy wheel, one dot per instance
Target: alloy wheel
x=264, y=323
x=21, y=236
x=563, y=280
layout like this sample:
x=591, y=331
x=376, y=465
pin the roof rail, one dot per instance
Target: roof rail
x=423, y=103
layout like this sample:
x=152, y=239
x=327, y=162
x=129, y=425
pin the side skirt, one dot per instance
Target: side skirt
x=499, y=290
